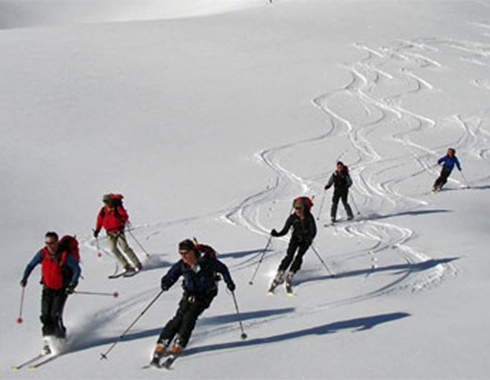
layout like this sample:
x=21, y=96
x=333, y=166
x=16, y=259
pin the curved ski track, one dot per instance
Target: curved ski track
x=380, y=81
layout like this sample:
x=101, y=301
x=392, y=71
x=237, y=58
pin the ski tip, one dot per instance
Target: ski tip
x=31, y=367
x=14, y=368
x=290, y=294
x=271, y=293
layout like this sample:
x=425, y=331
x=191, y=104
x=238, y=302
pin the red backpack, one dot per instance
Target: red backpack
x=70, y=244
x=116, y=201
x=207, y=251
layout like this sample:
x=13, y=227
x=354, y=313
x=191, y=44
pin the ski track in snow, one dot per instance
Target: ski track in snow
x=380, y=81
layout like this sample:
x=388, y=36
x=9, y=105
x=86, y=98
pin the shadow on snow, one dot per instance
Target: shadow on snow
x=358, y=324
x=403, y=213
x=82, y=341
x=398, y=269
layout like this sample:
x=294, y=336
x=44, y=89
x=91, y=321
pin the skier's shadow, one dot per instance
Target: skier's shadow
x=232, y=318
x=357, y=325
x=403, y=213
x=85, y=341
x=240, y=254
x=397, y=269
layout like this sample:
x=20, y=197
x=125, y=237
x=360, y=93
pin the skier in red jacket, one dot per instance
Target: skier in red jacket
x=60, y=274
x=113, y=218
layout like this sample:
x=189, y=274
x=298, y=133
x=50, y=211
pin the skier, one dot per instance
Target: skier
x=304, y=231
x=113, y=217
x=198, y=267
x=448, y=162
x=60, y=274
x=341, y=181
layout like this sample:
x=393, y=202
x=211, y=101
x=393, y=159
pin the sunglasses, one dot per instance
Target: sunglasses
x=51, y=242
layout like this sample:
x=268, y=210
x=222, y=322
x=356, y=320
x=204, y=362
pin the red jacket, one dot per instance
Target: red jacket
x=112, y=220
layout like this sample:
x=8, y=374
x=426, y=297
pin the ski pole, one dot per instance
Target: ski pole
x=354, y=203
x=114, y=294
x=104, y=355
x=321, y=207
x=139, y=244
x=323, y=262
x=251, y=282
x=464, y=178
x=243, y=336
x=19, y=319
x=99, y=253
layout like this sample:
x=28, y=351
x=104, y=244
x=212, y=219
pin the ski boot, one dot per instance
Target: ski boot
x=46, y=350
x=277, y=280
x=159, y=352
x=175, y=352
x=288, y=283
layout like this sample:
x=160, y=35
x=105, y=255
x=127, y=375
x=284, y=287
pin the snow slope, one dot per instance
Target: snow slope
x=210, y=126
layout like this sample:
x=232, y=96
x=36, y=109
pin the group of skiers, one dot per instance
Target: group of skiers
x=198, y=264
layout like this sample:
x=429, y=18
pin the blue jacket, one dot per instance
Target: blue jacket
x=448, y=163
x=201, y=280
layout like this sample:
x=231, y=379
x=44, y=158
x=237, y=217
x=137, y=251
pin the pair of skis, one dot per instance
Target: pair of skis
x=168, y=360
x=35, y=362
x=287, y=285
x=123, y=274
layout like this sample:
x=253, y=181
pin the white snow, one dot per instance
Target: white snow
x=210, y=117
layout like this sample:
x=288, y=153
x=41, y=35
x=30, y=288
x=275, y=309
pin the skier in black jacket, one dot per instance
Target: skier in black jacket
x=304, y=231
x=199, y=267
x=341, y=181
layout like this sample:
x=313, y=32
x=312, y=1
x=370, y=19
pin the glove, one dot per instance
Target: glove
x=23, y=282
x=165, y=286
x=96, y=234
x=274, y=233
x=327, y=187
x=70, y=289
x=231, y=286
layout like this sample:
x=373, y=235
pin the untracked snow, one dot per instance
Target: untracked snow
x=211, y=117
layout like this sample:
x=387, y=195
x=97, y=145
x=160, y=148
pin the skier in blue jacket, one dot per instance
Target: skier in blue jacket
x=199, y=268
x=448, y=162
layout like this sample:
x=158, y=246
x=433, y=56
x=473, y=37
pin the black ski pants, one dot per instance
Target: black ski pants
x=52, y=305
x=301, y=247
x=337, y=196
x=442, y=179
x=184, y=321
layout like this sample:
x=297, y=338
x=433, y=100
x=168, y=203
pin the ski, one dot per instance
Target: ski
x=117, y=275
x=330, y=224
x=130, y=274
x=41, y=363
x=123, y=274
x=27, y=362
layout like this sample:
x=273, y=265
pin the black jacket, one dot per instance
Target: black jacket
x=303, y=230
x=340, y=180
